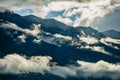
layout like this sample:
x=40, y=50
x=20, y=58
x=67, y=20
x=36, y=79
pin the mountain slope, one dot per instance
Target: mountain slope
x=112, y=34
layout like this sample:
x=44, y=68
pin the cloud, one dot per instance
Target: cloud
x=16, y=64
x=19, y=5
x=95, y=48
x=11, y=26
x=3, y=9
x=89, y=40
x=34, y=32
x=22, y=38
x=95, y=8
x=84, y=12
x=92, y=13
x=67, y=21
x=61, y=36
x=63, y=71
x=110, y=42
x=99, y=69
x=37, y=40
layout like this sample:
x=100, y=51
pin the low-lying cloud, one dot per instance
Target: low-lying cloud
x=110, y=42
x=16, y=64
x=34, y=32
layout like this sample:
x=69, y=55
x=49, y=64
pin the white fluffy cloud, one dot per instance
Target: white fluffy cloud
x=22, y=38
x=88, y=11
x=89, y=40
x=34, y=32
x=16, y=64
x=95, y=48
x=99, y=69
x=11, y=26
x=67, y=21
x=110, y=42
x=63, y=37
x=97, y=13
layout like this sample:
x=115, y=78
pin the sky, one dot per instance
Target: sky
x=99, y=14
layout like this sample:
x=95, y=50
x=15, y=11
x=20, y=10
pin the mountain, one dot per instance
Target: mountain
x=54, y=26
x=49, y=25
x=15, y=18
x=33, y=18
x=70, y=48
x=51, y=33
x=112, y=33
x=89, y=31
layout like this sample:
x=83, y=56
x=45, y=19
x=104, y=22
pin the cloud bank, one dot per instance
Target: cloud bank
x=84, y=13
x=71, y=12
x=16, y=64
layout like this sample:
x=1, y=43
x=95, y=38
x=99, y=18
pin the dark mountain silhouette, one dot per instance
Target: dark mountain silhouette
x=89, y=31
x=112, y=33
x=33, y=18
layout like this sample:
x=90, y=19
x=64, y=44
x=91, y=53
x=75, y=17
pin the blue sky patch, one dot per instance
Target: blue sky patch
x=23, y=12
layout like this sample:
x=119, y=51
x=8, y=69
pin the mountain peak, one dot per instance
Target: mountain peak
x=112, y=33
x=112, y=30
x=33, y=18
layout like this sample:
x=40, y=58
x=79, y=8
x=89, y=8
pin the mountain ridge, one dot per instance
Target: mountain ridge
x=112, y=33
x=67, y=46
